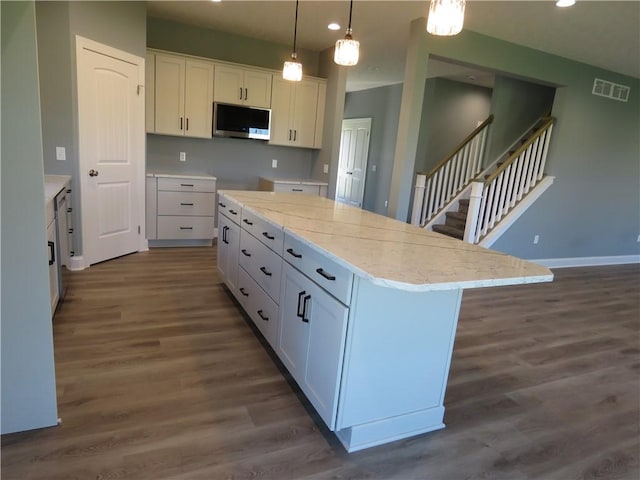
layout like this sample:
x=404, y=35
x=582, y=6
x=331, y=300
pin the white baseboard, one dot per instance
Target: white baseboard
x=587, y=261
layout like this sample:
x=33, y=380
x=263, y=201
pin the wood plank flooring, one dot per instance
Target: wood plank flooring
x=160, y=376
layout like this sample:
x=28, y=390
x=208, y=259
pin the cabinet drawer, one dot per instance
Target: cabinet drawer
x=229, y=208
x=331, y=276
x=262, y=310
x=178, y=228
x=186, y=203
x=186, y=185
x=264, y=265
x=271, y=235
x=296, y=188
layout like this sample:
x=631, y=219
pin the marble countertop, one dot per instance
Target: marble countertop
x=386, y=251
x=201, y=176
x=53, y=184
x=294, y=181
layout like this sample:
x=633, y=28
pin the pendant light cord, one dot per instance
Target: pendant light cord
x=295, y=30
x=350, y=12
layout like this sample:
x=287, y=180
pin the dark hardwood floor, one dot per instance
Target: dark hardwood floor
x=160, y=376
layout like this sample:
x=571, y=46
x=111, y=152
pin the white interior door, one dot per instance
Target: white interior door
x=111, y=162
x=352, y=164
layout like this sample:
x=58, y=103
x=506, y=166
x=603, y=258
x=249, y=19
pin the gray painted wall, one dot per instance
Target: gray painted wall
x=382, y=105
x=592, y=209
x=121, y=25
x=516, y=105
x=450, y=112
x=28, y=390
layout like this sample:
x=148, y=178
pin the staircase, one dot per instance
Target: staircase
x=485, y=206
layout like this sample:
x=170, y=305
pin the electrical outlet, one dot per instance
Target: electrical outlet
x=61, y=153
x=373, y=168
x=325, y=168
x=536, y=239
x=386, y=203
x=638, y=238
x=274, y=163
x=183, y=156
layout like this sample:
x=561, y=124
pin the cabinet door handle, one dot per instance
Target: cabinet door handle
x=180, y=123
x=293, y=253
x=186, y=228
x=270, y=237
x=224, y=234
x=304, y=308
x=240, y=94
x=247, y=221
x=188, y=185
x=290, y=131
x=233, y=212
x=265, y=271
x=222, y=205
x=245, y=253
x=246, y=93
x=243, y=292
x=186, y=204
x=295, y=135
x=266, y=319
x=326, y=275
x=52, y=252
x=298, y=313
x=187, y=123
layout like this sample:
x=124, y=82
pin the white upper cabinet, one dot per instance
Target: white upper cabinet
x=297, y=113
x=150, y=92
x=183, y=96
x=242, y=86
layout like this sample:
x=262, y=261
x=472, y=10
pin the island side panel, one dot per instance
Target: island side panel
x=398, y=352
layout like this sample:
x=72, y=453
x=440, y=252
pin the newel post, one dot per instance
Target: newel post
x=477, y=188
x=418, y=199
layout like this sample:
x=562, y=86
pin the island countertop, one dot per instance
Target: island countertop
x=386, y=251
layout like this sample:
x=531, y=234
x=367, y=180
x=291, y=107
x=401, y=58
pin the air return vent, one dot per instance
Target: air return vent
x=604, y=88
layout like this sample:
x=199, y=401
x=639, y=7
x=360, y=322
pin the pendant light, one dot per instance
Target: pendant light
x=347, y=50
x=445, y=17
x=293, y=69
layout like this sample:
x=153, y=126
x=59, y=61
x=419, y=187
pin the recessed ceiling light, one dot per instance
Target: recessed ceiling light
x=565, y=3
x=333, y=26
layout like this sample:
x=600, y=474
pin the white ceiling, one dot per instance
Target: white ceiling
x=601, y=33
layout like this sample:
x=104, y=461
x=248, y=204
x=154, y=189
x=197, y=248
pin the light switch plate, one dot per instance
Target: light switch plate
x=61, y=153
x=274, y=163
x=325, y=168
x=183, y=156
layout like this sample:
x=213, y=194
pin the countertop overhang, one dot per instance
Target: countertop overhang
x=385, y=251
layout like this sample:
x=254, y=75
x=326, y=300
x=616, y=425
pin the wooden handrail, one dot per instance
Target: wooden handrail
x=470, y=137
x=548, y=121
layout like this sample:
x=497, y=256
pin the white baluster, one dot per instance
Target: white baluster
x=418, y=200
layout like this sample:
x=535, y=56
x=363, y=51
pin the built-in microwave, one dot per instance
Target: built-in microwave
x=242, y=122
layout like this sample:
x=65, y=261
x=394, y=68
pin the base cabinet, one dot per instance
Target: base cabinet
x=228, y=245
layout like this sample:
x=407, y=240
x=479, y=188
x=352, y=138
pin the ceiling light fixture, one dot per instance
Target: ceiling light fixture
x=565, y=3
x=293, y=69
x=333, y=26
x=446, y=17
x=347, y=50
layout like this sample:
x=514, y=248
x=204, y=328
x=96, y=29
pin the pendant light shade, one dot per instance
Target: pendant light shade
x=446, y=17
x=347, y=51
x=293, y=69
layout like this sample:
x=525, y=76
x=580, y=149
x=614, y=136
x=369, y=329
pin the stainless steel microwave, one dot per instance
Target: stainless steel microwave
x=240, y=121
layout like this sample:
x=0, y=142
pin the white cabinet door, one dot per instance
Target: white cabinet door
x=198, y=99
x=228, y=245
x=311, y=340
x=241, y=86
x=53, y=266
x=303, y=118
x=281, y=101
x=150, y=92
x=294, y=113
x=169, y=95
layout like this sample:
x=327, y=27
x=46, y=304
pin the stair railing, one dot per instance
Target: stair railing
x=494, y=197
x=435, y=189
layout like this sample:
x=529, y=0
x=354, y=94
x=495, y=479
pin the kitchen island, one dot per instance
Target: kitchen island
x=360, y=308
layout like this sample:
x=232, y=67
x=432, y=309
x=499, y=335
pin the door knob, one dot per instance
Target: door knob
x=93, y=173
x=349, y=173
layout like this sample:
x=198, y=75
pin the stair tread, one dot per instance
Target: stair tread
x=457, y=215
x=449, y=231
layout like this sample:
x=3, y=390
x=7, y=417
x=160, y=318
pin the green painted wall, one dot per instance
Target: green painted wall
x=593, y=207
x=28, y=390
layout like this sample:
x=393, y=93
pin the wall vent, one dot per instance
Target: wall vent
x=615, y=91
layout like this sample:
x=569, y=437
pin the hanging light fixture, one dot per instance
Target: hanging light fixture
x=293, y=69
x=445, y=17
x=347, y=50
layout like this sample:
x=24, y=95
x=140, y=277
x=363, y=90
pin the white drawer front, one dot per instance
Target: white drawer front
x=334, y=278
x=186, y=203
x=270, y=235
x=262, y=310
x=229, y=208
x=261, y=263
x=178, y=228
x=186, y=185
x=294, y=188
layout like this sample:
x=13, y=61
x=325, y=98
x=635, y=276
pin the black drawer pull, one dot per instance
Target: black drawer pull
x=186, y=228
x=297, y=190
x=265, y=271
x=245, y=253
x=243, y=292
x=70, y=231
x=69, y=210
x=291, y=251
x=326, y=275
x=266, y=319
x=186, y=184
x=245, y=220
x=270, y=237
x=298, y=313
x=186, y=204
x=233, y=212
x=222, y=205
x=52, y=252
